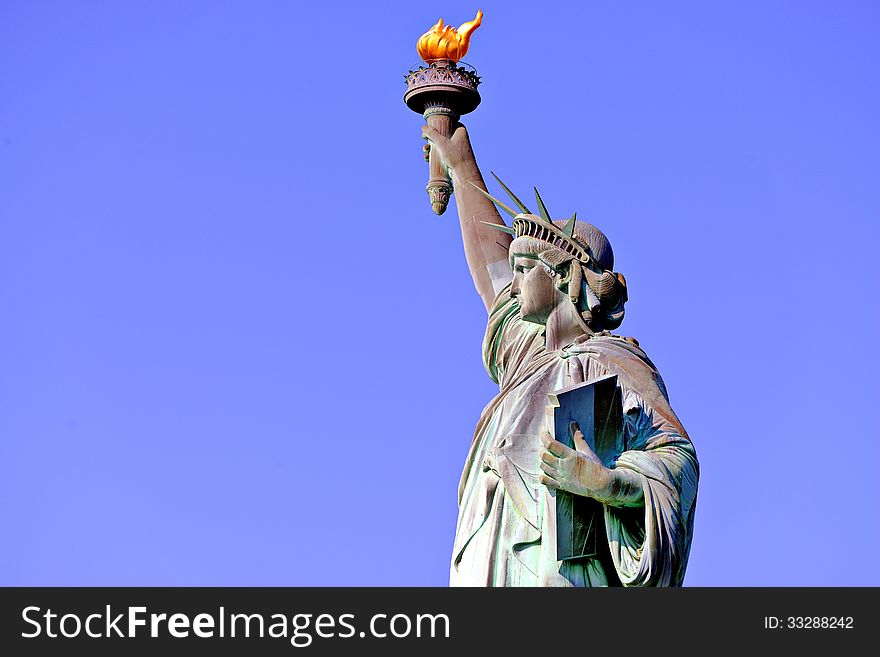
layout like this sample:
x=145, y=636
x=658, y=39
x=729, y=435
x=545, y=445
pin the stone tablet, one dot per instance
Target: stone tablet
x=596, y=407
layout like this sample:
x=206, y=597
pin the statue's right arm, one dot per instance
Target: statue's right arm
x=485, y=248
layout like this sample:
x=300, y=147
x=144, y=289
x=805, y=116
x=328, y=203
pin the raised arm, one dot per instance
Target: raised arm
x=485, y=248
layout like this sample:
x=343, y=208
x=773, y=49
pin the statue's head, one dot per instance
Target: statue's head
x=557, y=262
x=565, y=262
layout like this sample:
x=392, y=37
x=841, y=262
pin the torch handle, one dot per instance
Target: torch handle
x=439, y=185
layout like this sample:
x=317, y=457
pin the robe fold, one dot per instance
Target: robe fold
x=506, y=534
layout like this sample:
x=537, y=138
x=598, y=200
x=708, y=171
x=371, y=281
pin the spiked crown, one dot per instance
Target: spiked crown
x=598, y=293
x=541, y=227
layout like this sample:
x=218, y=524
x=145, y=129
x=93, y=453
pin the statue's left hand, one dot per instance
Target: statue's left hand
x=577, y=471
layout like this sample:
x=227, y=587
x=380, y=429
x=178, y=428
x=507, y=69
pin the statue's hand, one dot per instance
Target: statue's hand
x=576, y=471
x=455, y=152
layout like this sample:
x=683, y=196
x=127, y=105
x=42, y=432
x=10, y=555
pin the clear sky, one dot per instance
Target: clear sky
x=238, y=348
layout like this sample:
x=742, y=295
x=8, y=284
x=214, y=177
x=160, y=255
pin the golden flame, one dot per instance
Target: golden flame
x=445, y=42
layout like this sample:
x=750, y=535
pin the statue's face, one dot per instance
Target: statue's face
x=534, y=289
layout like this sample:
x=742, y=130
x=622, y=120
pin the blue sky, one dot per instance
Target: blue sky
x=238, y=348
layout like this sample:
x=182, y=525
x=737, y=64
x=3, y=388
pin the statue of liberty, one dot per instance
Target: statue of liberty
x=552, y=299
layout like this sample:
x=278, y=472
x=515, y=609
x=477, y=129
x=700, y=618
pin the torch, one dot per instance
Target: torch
x=442, y=91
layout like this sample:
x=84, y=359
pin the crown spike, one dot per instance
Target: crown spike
x=501, y=227
x=542, y=209
x=568, y=229
x=493, y=199
x=512, y=196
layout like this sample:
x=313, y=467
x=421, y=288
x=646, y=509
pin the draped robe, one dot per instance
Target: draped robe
x=506, y=534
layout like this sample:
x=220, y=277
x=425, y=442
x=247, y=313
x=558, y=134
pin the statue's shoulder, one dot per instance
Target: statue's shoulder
x=613, y=338
x=615, y=353
x=622, y=346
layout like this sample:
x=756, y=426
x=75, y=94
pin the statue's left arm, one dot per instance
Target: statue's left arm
x=650, y=544
x=649, y=493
